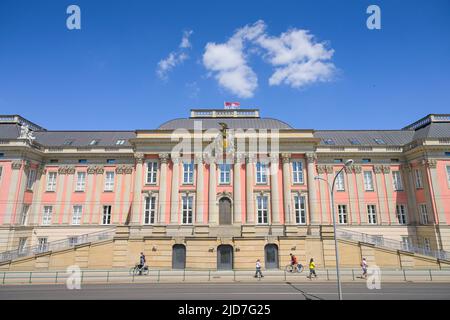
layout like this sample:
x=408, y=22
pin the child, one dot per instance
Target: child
x=312, y=269
x=258, y=269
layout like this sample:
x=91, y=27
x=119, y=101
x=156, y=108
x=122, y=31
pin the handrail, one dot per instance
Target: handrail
x=57, y=245
x=380, y=241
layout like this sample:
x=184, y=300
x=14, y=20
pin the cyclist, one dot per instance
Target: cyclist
x=142, y=262
x=294, y=262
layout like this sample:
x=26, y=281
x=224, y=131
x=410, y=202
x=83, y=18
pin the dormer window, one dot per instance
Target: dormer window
x=120, y=142
x=379, y=141
x=94, y=142
x=354, y=141
x=329, y=141
x=68, y=142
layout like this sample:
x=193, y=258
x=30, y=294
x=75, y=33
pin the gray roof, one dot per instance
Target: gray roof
x=434, y=130
x=365, y=138
x=9, y=131
x=239, y=123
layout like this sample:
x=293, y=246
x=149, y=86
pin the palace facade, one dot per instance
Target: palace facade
x=196, y=210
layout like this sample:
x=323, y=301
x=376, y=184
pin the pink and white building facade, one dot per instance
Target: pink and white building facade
x=61, y=184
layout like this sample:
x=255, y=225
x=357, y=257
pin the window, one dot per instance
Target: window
x=106, y=219
x=42, y=244
x=47, y=216
x=188, y=172
x=24, y=215
x=1, y=170
x=94, y=142
x=51, y=181
x=2, y=155
x=261, y=172
x=76, y=216
x=394, y=160
x=418, y=176
x=329, y=141
x=82, y=161
x=366, y=160
x=73, y=241
x=427, y=245
x=342, y=213
x=225, y=170
x=68, y=142
x=368, y=181
x=22, y=244
x=31, y=179
x=338, y=160
x=371, y=214
x=423, y=213
x=110, y=161
x=379, y=141
x=300, y=209
x=354, y=141
x=262, y=209
x=81, y=181
x=448, y=175
x=53, y=160
x=397, y=178
x=152, y=170
x=297, y=171
x=401, y=213
x=187, y=212
x=150, y=210
x=120, y=142
x=109, y=181
x=340, y=186
x=406, y=243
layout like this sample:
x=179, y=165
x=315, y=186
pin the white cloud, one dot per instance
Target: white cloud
x=175, y=58
x=298, y=60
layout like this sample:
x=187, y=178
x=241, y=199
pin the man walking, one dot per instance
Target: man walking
x=258, y=269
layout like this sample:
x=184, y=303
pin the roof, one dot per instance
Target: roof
x=232, y=123
x=365, y=138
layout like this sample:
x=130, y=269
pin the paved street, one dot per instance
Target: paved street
x=229, y=291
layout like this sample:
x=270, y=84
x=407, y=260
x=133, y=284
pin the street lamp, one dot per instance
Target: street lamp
x=331, y=190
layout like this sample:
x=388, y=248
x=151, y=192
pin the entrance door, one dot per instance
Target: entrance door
x=224, y=211
x=271, y=256
x=224, y=257
x=178, y=256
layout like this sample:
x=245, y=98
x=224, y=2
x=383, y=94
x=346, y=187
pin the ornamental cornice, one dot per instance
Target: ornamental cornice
x=377, y=169
x=239, y=157
x=139, y=156
x=16, y=165
x=222, y=194
x=274, y=157
x=285, y=157
x=311, y=157
x=386, y=169
x=164, y=157
x=430, y=163
x=348, y=169
x=356, y=168
x=124, y=169
x=321, y=169
x=95, y=170
x=250, y=158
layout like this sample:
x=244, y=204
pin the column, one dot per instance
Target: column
x=351, y=194
x=37, y=195
x=434, y=183
x=67, y=212
x=174, y=195
x=17, y=170
x=312, y=193
x=250, y=159
x=410, y=187
x=163, y=159
x=237, y=199
x=381, y=219
x=390, y=193
x=275, y=195
x=137, y=187
x=200, y=189
x=323, y=189
x=212, y=207
x=287, y=188
x=360, y=191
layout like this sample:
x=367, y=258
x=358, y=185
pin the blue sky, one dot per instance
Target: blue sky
x=104, y=76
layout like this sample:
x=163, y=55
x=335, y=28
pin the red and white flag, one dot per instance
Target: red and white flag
x=231, y=105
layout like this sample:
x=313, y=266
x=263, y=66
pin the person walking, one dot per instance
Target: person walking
x=312, y=269
x=258, y=269
x=142, y=262
x=364, y=268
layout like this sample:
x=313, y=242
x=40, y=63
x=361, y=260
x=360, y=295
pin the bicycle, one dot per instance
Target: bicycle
x=137, y=270
x=297, y=269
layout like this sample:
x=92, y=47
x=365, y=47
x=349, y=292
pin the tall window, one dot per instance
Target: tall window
x=224, y=176
x=187, y=212
x=81, y=181
x=152, y=170
x=261, y=172
x=300, y=209
x=418, y=176
x=42, y=244
x=406, y=243
x=22, y=244
x=397, y=178
x=109, y=181
x=401, y=213
x=423, y=213
x=150, y=210
x=73, y=241
x=427, y=244
x=31, y=179
x=448, y=175
x=297, y=171
x=51, y=181
x=262, y=209
x=188, y=172
x=368, y=181
x=106, y=219
x=24, y=215
x=340, y=186
x=47, y=216
x=76, y=215
x=342, y=213
x=371, y=214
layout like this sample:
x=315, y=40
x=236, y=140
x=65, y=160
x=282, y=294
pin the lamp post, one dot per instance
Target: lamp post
x=331, y=190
